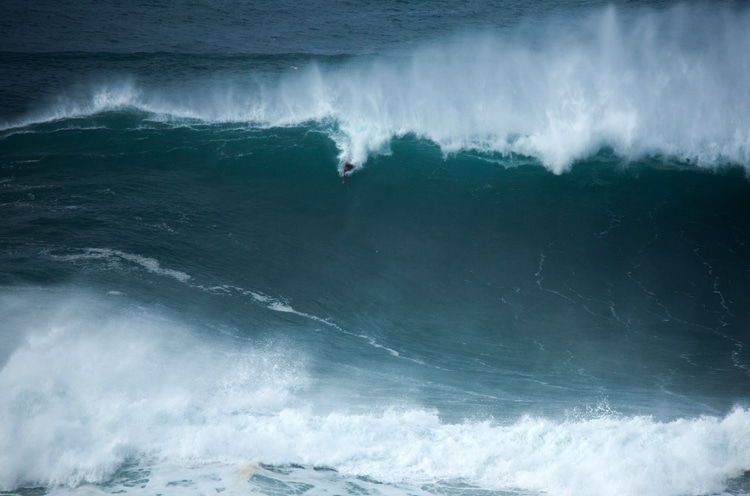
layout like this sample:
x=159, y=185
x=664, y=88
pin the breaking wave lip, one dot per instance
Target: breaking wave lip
x=666, y=83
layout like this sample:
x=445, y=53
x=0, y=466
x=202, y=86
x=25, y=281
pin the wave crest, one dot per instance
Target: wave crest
x=643, y=83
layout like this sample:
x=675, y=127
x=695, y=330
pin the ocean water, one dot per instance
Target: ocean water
x=535, y=280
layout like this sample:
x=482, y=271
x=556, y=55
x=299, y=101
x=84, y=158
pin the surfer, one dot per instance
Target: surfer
x=349, y=166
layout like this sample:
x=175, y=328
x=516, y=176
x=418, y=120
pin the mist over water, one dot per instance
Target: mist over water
x=123, y=385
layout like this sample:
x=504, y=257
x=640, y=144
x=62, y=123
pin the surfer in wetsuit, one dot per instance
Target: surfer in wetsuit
x=349, y=166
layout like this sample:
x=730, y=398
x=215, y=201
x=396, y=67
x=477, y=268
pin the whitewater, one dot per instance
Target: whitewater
x=643, y=83
x=123, y=386
x=534, y=281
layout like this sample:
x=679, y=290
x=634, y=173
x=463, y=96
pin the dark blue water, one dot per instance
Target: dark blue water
x=536, y=279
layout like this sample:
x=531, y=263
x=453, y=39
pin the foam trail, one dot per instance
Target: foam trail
x=114, y=257
x=669, y=83
x=283, y=307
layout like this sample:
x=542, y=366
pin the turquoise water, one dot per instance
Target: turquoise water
x=534, y=281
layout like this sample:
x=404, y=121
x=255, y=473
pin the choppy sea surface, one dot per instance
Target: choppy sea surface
x=534, y=281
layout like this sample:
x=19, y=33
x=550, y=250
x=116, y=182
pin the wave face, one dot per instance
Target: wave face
x=207, y=308
x=534, y=281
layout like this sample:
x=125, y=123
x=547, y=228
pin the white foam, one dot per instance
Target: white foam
x=114, y=259
x=116, y=256
x=92, y=384
x=284, y=307
x=666, y=83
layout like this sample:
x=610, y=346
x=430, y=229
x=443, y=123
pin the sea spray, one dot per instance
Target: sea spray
x=651, y=83
x=193, y=303
x=93, y=388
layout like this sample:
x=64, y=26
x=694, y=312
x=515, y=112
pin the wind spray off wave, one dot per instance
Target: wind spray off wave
x=668, y=84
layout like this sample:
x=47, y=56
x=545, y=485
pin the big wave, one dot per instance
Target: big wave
x=662, y=83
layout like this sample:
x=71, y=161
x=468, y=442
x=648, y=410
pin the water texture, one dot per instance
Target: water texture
x=535, y=280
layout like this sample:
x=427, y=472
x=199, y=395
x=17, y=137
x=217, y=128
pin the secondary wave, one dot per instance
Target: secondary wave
x=95, y=384
x=644, y=83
